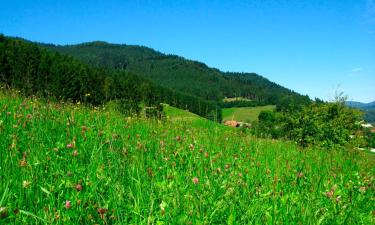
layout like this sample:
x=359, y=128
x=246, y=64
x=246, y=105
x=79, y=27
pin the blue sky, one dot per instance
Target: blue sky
x=314, y=47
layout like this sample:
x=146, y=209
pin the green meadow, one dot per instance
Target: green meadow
x=245, y=114
x=64, y=163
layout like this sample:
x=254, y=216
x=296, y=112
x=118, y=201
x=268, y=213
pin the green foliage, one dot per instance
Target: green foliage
x=185, y=76
x=369, y=115
x=33, y=70
x=369, y=138
x=327, y=125
x=113, y=170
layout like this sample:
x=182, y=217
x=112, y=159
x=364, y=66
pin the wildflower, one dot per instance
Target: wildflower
x=362, y=189
x=338, y=199
x=3, y=212
x=75, y=153
x=26, y=184
x=299, y=174
x=70, y=145
x=84, y=128
x=206, y=154
x=79, y=187
x=162, y=144
x=101, y=212
x=162, y=205
x=195, y=180
x=329, y=194
x=68, y=204
x=23, y=163
x=191, y=146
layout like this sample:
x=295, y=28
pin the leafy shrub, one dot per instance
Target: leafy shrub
x=327, y=125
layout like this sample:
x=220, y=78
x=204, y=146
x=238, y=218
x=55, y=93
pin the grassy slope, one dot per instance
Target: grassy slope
x=244, y=114
x=142, y=171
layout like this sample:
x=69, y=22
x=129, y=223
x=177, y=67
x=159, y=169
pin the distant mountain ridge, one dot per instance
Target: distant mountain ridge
x=367, y=108
x=180, y=74
x=361, y=105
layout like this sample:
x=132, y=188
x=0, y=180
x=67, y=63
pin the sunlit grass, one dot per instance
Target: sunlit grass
x=245, y=114
x=68, y=164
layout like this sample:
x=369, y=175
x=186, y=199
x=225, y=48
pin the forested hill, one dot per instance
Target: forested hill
x=181, y=74
x=37, y=71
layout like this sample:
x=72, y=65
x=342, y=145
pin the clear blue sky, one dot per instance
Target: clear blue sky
x=313, y=47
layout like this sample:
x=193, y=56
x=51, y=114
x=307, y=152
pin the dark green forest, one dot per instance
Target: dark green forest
x=182, y=75
x=33, y=70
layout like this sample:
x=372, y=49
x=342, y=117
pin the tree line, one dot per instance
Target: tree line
x=179, y=74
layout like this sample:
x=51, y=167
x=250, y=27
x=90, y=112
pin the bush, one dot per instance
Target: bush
x=327, y=125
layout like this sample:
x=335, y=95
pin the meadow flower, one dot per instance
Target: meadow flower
x=26, y=184
x=162, y=206
x=68, y=204
x=75, y=153
x=3, y=212
x=102, y=211
x=329, y=194
x=195, y=180
x=79, y=187
x=338, y=199
x=70, y=145
x=299, y=174
x=23, y=163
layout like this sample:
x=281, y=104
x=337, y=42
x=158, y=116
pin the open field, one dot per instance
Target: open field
x=244, y=114
x=68, y=164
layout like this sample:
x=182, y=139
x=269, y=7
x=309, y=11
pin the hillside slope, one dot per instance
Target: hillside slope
x=34, y=70
x=180, y=74
x=360, y=105
x=68, y=164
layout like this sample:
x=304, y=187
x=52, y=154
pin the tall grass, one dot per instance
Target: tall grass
x=68, y=164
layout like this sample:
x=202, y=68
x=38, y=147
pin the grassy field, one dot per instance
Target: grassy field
x=68, y=164
x=244, y=114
